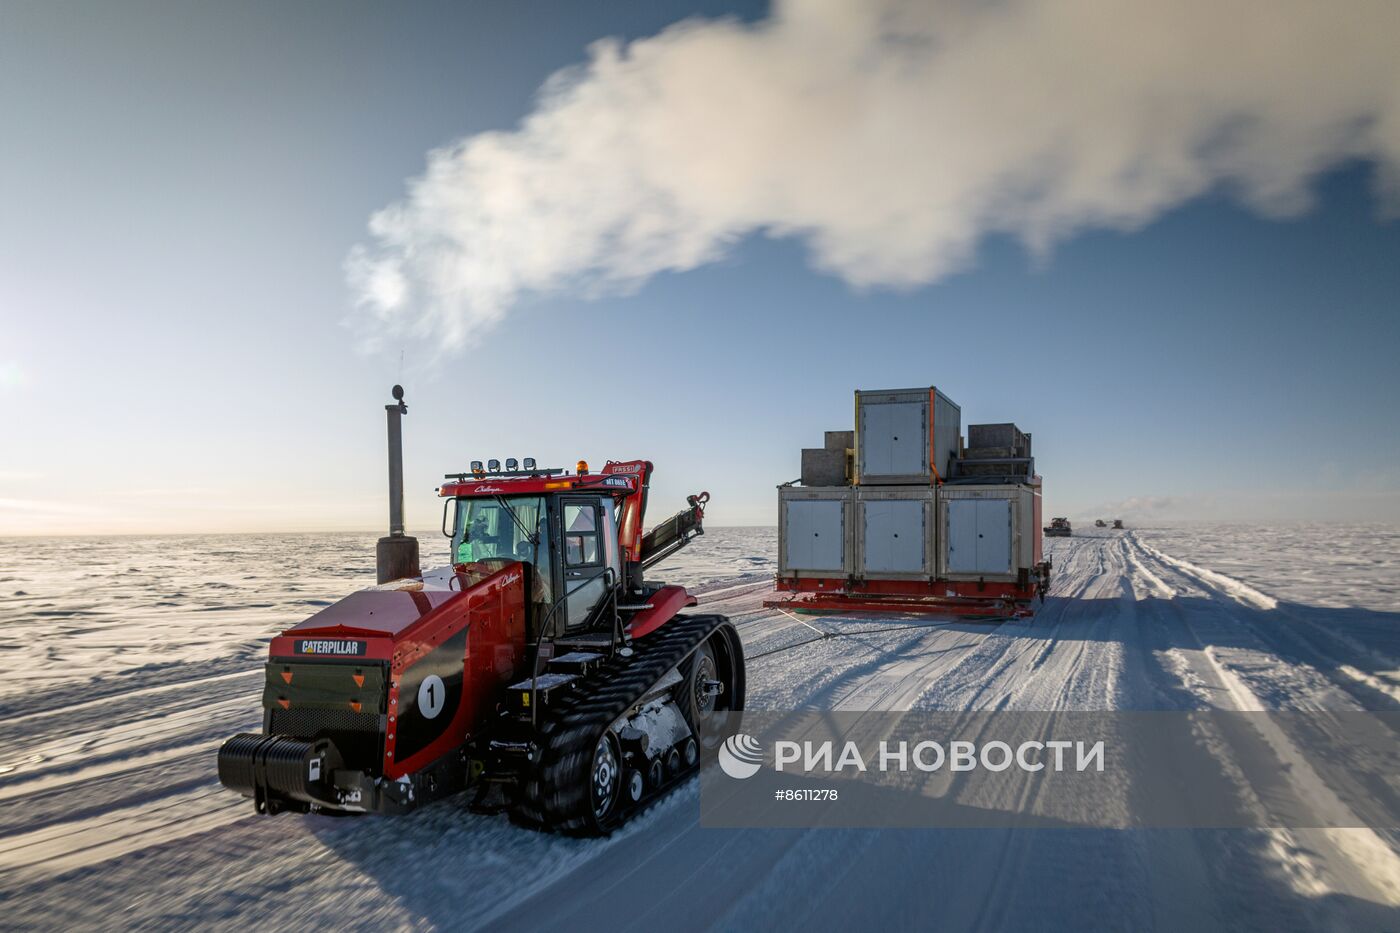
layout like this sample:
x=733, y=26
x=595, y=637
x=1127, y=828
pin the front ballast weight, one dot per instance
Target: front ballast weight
x=282, y=773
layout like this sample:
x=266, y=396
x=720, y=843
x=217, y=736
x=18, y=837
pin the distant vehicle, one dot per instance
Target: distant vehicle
x=1100, y=523
x=1058, y=528
x=1118, y=523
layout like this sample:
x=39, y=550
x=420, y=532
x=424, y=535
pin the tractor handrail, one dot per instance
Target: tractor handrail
x=606, y=572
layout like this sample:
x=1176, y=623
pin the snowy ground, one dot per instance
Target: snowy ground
x=121, y=677
x=1327, y=565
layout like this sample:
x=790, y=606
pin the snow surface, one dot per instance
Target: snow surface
x=125, y=662
x=1328, y=565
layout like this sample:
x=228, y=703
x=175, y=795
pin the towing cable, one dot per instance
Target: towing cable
x=824, y=635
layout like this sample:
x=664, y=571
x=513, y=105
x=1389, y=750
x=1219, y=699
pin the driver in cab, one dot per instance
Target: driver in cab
x=477, y=544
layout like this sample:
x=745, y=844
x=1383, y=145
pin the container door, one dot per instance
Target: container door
x=894, y=536
x=962, y=535
x=993, y=535
x=815, y=535
x=894, y=439
x=979, y=536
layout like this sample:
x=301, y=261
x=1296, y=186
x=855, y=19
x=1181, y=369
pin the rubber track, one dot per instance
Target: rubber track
x=556, y=795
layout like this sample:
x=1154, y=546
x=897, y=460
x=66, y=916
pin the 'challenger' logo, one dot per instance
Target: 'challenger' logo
x=740, y=756
x=336, y=648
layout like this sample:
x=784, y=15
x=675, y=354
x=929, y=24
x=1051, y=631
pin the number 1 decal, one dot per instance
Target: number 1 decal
x=432, y=696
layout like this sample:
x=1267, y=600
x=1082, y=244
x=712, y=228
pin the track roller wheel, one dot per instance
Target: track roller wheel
x=605, y=777
x=713, y=687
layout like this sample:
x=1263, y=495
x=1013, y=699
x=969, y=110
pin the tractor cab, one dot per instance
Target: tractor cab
x=578, y=534
x=568, y=542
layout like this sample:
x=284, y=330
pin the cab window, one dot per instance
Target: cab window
x=487, y=529
x=581, y=544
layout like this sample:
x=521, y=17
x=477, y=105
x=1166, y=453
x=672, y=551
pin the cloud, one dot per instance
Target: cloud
x=890, y=137
x=1149, y=508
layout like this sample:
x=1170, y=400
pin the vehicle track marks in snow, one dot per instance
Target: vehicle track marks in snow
x=121, y=812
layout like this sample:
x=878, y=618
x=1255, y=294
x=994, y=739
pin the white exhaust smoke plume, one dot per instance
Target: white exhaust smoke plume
x=889, y=136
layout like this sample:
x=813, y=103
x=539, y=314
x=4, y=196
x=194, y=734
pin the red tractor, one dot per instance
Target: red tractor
x=538, y=666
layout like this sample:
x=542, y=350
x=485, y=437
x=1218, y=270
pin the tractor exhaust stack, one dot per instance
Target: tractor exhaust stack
x=396, y=555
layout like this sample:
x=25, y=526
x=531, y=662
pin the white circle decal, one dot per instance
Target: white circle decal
x=432, y=696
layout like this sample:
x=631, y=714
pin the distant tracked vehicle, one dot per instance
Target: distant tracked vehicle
x=1058, y=528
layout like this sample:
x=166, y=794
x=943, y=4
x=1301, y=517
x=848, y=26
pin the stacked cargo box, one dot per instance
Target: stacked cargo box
x=830, y=465
x=995, y=450
x=905, y=437
x=899, y=509
x=991, y=532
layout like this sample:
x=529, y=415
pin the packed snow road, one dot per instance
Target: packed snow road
x=111, y=815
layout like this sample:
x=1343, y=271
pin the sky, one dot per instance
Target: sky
x=227, y=229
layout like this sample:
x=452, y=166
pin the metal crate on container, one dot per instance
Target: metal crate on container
x=824, y=467
x=895, y=530
x=1005, y=435
x=905, y=436
x=840, y=440
x=995, y=450
x=987, y=532
x=815, y=537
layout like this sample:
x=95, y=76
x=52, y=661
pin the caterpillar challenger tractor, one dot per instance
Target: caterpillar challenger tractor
x=538, y=666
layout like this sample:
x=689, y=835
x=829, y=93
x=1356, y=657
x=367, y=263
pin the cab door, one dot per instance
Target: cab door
x=587, y=547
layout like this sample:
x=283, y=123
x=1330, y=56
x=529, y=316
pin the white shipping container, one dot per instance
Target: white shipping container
x=987, y=532
x=814, y=531
x=905, y=436
x=979, y=536
x=895, y=533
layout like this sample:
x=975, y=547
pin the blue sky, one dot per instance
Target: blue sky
x=183, y=183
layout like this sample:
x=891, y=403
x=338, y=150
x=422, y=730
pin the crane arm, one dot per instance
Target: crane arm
x=675, y=532
x=639, y=550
